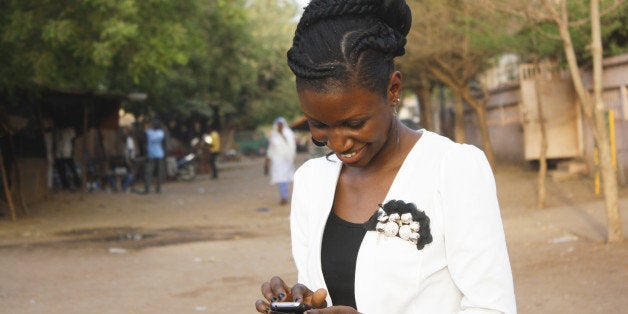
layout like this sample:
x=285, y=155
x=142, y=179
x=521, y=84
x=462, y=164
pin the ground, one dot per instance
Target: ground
x=207, y=245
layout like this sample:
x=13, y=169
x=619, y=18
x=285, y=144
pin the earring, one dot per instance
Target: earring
x=317, y=143
x=396, y=126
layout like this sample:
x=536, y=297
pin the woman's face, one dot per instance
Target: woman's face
x=355, y=123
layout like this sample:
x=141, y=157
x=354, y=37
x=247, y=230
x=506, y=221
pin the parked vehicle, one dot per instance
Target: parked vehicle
x=186, y=167
x=251, y=143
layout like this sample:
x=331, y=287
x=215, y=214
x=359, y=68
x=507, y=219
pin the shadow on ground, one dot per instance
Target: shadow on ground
x=131, y=238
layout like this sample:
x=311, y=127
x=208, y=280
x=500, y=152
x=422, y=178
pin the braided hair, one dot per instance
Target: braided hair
x=340, y=42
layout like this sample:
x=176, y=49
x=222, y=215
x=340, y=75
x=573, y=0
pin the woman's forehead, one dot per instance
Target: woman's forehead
x=338, y=104
x=337, y=93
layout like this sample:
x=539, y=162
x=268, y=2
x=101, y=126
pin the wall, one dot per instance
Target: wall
x=615, y=96
x=507, y=117
x=504, y=125
x=561, y=116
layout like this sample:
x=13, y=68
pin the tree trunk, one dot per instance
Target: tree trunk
x=424, y=95
x=487, y=147
x=480, y=111
x=7, y=189
x=541, y=197
x=459, y=133
x=609, y=173
x=595, y=113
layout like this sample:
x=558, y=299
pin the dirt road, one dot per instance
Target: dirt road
x=206, y=246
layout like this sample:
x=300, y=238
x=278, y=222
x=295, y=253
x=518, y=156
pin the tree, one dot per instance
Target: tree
x=236, y=66
x=453, y=42
x=567, y=16
x=217, y=70
x=275, y=93
x=95, y=45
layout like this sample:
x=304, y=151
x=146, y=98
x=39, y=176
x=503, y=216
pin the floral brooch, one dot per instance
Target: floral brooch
x=404, y=220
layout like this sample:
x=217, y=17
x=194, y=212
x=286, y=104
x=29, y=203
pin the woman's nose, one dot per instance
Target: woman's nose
x=338, y=141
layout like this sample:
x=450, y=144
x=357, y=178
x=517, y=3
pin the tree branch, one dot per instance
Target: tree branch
x=446, y=70
x=439, y=75
x=611, y=8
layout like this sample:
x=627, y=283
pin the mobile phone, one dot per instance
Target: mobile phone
x=289, y=307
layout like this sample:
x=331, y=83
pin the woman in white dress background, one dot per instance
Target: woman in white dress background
x=282, y=150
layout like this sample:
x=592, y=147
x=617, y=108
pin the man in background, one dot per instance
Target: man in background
x=214, y=151
x=155, y=155
x=64, y=158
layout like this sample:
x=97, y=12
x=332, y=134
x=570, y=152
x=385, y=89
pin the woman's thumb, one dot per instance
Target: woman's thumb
x=318, y=298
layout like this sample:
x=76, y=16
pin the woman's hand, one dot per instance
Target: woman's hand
x=277, y=290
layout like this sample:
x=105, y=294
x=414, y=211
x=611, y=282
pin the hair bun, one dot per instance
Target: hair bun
x=397, y=14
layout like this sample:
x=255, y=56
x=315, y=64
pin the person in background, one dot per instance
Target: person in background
x=64, y=158
x=48, y=129
x=280, y=156
x=395, y=220
x=130, y=153
x=200, y=144
x=155, y=155
x=119, y=169
x=214, y=151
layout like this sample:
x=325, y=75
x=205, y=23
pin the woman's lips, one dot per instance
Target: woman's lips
x=351, y=157
x=348, y=155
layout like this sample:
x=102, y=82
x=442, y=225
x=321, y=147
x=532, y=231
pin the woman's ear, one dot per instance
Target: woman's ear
x=394, y=88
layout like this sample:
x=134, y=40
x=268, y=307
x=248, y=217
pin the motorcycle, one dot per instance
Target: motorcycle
x=186, y=167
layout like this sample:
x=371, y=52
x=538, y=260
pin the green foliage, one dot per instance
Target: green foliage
x=91, y=45
x=275, y=95
x=186, y=55
x=615, y=31
x=543, y=38
x=238, y=64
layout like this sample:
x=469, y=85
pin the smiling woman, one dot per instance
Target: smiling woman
x=395, y=220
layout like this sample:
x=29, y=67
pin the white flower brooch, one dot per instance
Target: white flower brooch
x=404, y=220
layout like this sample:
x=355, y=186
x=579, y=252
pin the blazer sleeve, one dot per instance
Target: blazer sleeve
x=298, y=223
x=475, y=243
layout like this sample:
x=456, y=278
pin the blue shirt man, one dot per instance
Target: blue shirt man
x=154, y=156
x=155, y=138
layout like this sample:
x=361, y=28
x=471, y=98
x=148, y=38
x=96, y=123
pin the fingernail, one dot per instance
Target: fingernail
x=297, y=299
x=281, y=296
x=273, y=299
x=267, y=310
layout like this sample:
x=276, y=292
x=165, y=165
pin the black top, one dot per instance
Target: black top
x=341, y=242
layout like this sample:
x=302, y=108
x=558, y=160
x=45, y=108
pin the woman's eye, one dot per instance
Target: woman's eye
x=316, y=124
x=356, y=124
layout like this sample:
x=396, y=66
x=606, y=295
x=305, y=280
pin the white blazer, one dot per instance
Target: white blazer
x=464, y=270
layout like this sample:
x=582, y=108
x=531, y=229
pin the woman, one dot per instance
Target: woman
x=282, y=149
x=394, y=221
